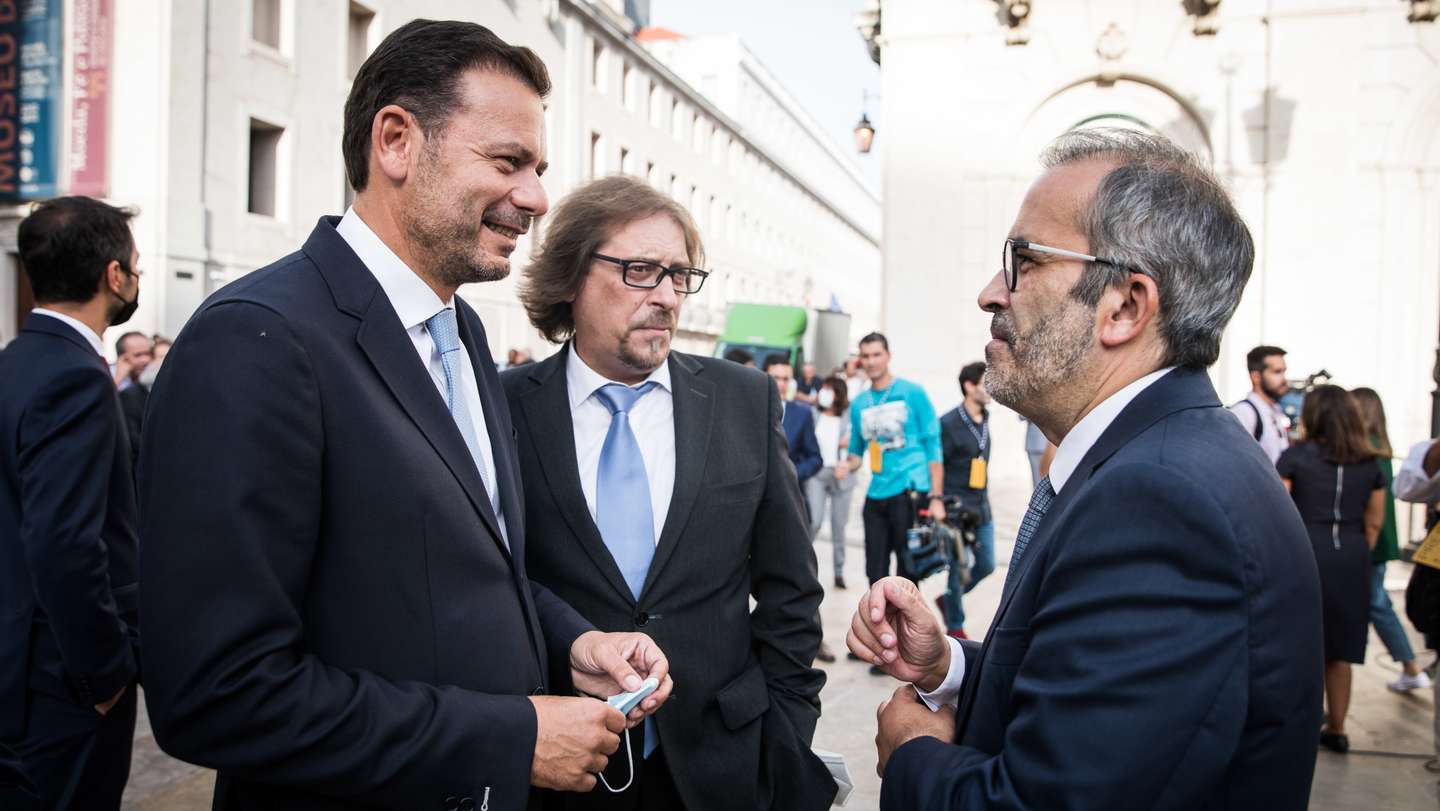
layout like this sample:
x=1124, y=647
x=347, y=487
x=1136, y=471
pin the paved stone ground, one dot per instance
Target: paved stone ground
x=1391, y=734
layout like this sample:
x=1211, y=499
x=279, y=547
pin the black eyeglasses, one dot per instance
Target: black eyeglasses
x=1010, y=260
x=648, y=275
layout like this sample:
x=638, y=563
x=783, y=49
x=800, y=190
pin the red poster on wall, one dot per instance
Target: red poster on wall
x=90, y=96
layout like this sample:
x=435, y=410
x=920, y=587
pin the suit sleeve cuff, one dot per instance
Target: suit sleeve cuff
x=949, y=690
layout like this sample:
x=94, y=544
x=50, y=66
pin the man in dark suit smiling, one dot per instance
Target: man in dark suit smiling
x=336, y=583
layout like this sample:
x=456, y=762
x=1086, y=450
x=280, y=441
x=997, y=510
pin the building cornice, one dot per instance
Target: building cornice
x=692, y=96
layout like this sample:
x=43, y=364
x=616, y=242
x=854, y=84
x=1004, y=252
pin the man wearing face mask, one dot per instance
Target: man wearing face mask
x=69, y=650
x=660, y=500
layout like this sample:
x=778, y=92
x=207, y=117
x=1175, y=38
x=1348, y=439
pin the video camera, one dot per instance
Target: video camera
x=933, y=546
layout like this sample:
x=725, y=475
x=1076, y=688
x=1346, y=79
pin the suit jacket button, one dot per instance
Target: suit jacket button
x=642, y=619
x=467, y=804
x=452, y=804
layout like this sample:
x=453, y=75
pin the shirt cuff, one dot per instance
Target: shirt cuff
x=949, y=690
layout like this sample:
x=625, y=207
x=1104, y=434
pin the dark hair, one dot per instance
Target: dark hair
x=66, y=244
x=1372, y=416
x=842, y=392
x=120, y=342
x=1332, y=420
x=875, y=337
x=1255, y=358
x=971, y=373
x=579, y=225
x=419, y=66
x=776, y=359
x=737, y=355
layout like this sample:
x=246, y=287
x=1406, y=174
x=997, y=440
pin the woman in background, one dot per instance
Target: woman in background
x=1382, y=613
x=1340, y=493
x=834, y=483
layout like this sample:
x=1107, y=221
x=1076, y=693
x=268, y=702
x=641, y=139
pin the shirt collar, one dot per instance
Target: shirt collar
x=1089, y=429
x=85, y=332
x=411, y=297
x=582, y=381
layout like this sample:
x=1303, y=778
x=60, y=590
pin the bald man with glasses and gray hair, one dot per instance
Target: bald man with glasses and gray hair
x=1157, y=643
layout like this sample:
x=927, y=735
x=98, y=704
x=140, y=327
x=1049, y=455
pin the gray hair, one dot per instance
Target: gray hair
x=1163, y=213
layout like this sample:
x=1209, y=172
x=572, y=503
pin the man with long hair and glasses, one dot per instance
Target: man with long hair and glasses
x=661, y=499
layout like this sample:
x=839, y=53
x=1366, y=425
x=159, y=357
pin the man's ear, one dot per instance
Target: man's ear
x=1127, y=310
x=113, y=279
x=395, y=142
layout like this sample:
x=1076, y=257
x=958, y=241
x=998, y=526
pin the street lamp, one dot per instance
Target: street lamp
x=864, y=130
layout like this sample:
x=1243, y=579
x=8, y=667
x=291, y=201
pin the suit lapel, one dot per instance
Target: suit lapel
x=694, y=406
x=497, y=425
x=390, y=350
x=1179, y=390
x=546, y=414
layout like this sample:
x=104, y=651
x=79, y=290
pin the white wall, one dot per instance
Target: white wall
x=1335, y=170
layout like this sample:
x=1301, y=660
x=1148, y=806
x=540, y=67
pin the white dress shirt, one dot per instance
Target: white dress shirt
x=1068, y=456
x=85, y=332
x=1411, y=483
x=415, y=302
x=1274, y=436
x=652, y=420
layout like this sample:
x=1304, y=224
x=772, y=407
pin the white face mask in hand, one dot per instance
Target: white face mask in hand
x=825, y=398
x=629, y=758
x=625, y=702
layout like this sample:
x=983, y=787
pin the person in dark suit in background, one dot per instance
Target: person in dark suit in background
x=1158, y=641
x=69, y=650
x=336, y=586
x=133, y=398
x=798, y=421
x=660, y=500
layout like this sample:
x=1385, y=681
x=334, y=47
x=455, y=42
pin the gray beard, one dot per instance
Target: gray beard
x=1044, y=360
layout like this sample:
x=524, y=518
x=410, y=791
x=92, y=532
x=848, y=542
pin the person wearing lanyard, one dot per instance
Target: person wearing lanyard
x=965, y=445
x=894, y=430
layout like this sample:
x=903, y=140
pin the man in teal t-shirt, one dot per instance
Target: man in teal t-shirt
x=893, y=431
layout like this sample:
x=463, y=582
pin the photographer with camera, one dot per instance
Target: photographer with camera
x=965, y=444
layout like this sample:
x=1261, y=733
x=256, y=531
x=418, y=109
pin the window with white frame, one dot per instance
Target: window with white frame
x=628, y=89
x=597, y=155
x=265, y=22
x=597, y=65
x=263, y=193
x=362, y=22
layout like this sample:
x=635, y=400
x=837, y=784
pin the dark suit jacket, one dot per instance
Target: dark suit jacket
x=67, y=525
x=1158, y=645
x=132, y=406
x=336, y=621
x=737, y=730
x=799, y=424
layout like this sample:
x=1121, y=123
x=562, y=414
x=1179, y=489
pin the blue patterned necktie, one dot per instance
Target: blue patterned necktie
x=1039, y=503
x=445, y=332
x=622, y=500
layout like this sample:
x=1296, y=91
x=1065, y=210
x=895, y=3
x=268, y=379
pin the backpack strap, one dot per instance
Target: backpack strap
x=1259, y=420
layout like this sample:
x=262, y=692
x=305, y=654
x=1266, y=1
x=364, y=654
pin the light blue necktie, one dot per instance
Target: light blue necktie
x=1039, y=503
x=622, y=500
x=446, y=334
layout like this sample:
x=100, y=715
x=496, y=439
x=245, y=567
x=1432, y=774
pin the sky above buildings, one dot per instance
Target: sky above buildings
x=811, y=46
